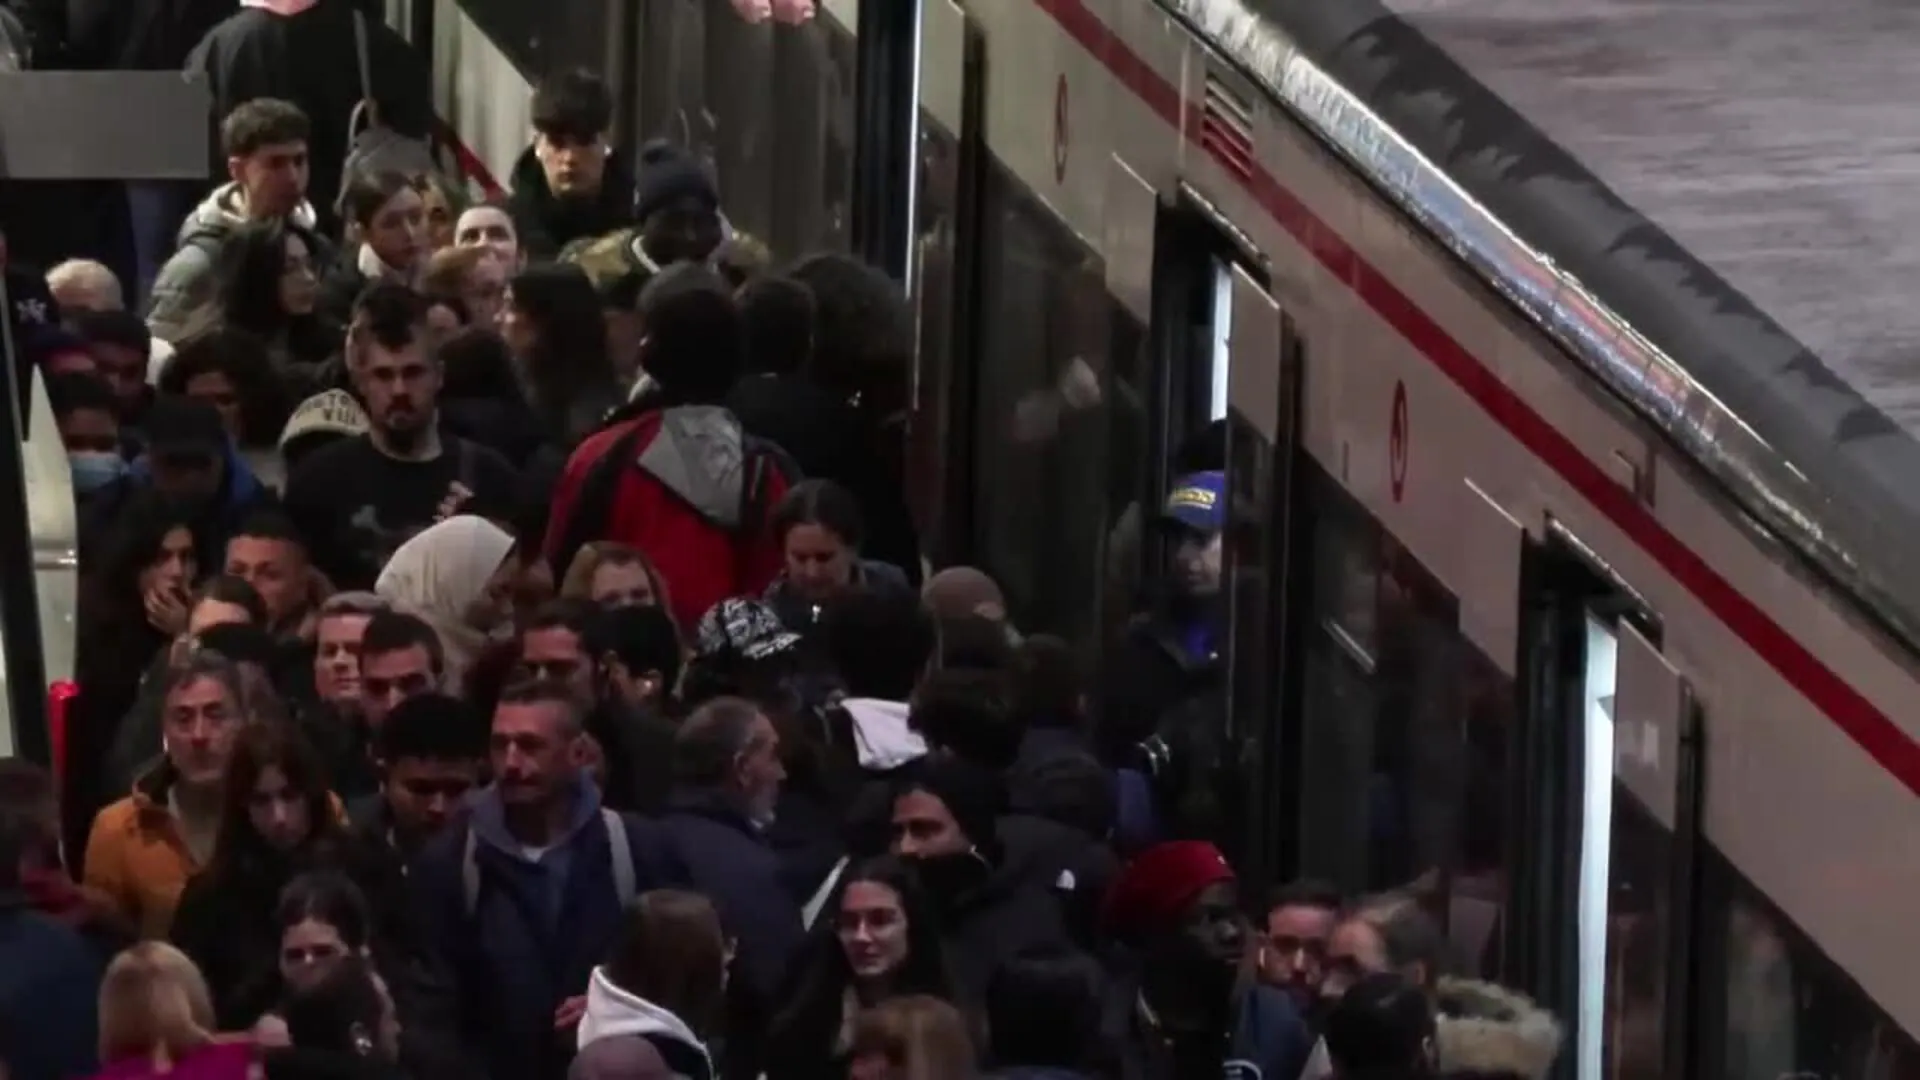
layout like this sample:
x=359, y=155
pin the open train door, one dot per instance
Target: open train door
x=1609, y=787
x=1653, y=845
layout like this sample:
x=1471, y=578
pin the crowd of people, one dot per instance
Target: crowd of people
x=505, y=651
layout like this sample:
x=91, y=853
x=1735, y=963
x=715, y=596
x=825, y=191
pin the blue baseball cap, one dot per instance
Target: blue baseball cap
x=1199, y=502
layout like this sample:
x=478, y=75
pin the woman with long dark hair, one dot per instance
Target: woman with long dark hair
x=552, y=324
x=878, y=940
x=279, y=820
x=270, y=287
x=134, y=597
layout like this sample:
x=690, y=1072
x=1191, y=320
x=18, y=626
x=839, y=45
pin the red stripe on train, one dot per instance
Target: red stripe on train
x=1872, y=730
x=470, y=164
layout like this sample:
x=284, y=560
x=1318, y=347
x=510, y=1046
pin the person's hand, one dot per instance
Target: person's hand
x=570, y=1012
x=271, y=1033
x=458, y=495
x=792, y=12
x=167, y=608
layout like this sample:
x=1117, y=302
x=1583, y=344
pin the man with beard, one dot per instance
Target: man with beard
x=359, y=498
x=1195, y=1008
x=522, y=896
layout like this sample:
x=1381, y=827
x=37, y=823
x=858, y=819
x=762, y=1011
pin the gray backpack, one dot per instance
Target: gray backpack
x=372, y=146
x=625, y=884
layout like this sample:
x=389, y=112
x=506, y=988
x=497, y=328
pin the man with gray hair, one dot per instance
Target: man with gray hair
x=727, y=776
x=144, y=847
x=520, y=901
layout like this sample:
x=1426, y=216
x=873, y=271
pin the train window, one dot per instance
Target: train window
x=1775, y=1005
x=1220, y=351
x=1129, y=468
x=1639, y=934
x=1042, y=381
x=934, y=371
x=1403, y=732
x=739, y=102
x=772, y=108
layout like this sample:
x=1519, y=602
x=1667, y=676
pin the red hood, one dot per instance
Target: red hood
x=53, y=893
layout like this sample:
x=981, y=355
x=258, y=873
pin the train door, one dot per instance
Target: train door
x=1261, y=415
x=1228, y=370
x=1603, y=904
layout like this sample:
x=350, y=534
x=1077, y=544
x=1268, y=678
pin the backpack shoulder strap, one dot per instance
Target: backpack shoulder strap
x=810, y=914
x=625, y=883
x=470, y=873
x=593, y=503
x=764, y=458
x=366, y=109
x=466, y=462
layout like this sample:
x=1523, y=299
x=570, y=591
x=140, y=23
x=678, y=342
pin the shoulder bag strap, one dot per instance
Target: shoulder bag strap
x=810, y=914
x=363, y=55
x=625, y=884
x=470, y=873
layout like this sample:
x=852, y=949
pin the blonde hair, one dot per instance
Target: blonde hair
x=154, y=1004
x=90, y=277
x=448, y=269
x=922, y=1037
x=578, y=582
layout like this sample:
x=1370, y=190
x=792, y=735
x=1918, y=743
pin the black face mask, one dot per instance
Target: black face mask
x=950, y=878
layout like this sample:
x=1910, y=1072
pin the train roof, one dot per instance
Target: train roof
x=1694, y=224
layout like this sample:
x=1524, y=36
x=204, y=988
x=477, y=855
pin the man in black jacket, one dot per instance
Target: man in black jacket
x=304, y=51
x=569, y=184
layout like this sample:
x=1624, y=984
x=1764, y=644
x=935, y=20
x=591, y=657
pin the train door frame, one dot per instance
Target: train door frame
x=1195, y=249
x=951, y=540
x=1212, y=295
x=1271, y=524
x=886, y=144
x=1576, y=609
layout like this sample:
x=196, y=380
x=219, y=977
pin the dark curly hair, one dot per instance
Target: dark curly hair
x=863, y=330
x=243, y=359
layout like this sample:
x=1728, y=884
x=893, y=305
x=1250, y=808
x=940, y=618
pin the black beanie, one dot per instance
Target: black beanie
x=668, y=173
x=973, y=795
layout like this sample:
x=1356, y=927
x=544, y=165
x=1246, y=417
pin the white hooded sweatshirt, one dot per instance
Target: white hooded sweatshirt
x=883, y=738
x=612, y=1012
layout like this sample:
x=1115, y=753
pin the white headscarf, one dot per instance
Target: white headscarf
x=440, y=573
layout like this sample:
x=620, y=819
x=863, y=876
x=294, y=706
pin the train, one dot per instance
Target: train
x=1543, y=607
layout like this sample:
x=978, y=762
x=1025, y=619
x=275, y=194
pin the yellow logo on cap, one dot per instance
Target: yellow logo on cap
x=1192, y=496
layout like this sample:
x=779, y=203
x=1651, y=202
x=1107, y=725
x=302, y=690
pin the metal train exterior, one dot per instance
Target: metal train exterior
x=1495, y=636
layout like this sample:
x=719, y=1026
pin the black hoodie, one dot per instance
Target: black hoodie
x=309, y=59
x=548, y=223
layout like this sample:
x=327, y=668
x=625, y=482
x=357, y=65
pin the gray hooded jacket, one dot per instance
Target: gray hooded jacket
x=188, y=280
